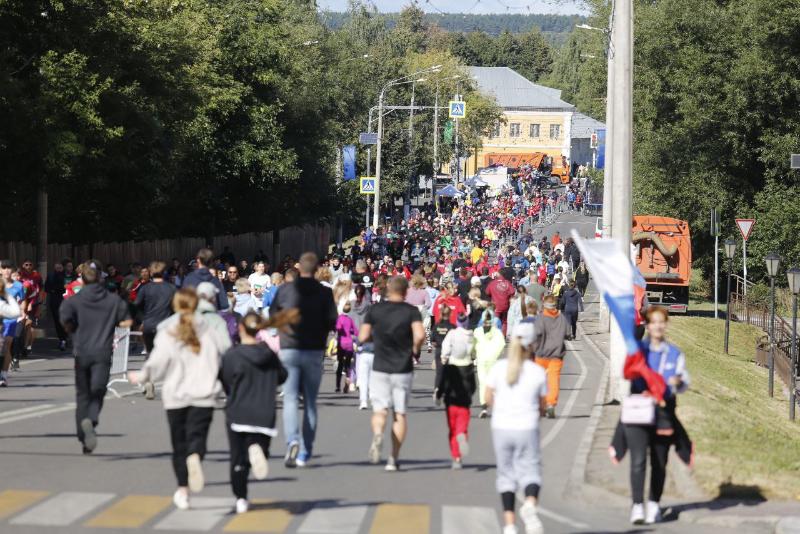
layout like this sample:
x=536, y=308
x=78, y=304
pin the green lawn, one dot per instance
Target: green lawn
x=744, y=440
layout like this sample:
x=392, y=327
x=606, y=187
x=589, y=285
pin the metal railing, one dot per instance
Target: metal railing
x=758, y=315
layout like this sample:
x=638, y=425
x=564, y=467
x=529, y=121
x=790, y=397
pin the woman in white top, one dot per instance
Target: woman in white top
x=259, y=282
x=516, y=390
x=186, y=356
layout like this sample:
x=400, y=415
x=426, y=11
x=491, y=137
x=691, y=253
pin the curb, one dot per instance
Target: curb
x=577, y=486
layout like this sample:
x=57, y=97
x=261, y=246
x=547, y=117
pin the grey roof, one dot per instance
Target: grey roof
x=511, y=90
x=584, y=126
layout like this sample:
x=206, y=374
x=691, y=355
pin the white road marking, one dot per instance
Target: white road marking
x=28, y=362
x=339, y=520
x=9, y=413
x=562, y=418
x=63, y=509
x=472, y=519
x=39, y=413
x=562, y=519
x=204, y=514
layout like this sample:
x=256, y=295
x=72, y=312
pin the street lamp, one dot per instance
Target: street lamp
x=730, y=252
x=773, y=262
x=587, y=27
x=793, y=275
x=411, y=78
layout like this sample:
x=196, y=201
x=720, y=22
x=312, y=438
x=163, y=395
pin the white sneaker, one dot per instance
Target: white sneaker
x=637, y=514
x=510, y=529
x=181, y=500
x=653, y=513
x=391, y=464
x=195, y=468
x=530, y=518
x=463, y=445
x=375, y=449
x=242, y=506
x=258, y=462
x=362, y=406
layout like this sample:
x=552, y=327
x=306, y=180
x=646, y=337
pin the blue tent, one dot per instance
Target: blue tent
x=449, y=191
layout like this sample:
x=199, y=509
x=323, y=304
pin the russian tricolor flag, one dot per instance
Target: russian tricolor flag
x=617, y=279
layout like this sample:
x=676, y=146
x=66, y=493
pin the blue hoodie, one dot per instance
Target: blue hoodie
x=194, y=278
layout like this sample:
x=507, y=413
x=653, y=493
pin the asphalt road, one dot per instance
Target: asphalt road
x=47, y=485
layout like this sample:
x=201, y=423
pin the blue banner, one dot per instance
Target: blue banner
x=601, y=148
x=349, y=161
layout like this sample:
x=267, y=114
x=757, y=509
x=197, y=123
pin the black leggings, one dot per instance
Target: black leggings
x=641, y=439
x=572, y=319
x=508, y=498
x=345, y=359
x=188, y=428
x=240, y=460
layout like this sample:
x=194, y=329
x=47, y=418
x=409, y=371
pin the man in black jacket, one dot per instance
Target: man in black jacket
x=302, y=353
x=202, y=274
x=91, y=317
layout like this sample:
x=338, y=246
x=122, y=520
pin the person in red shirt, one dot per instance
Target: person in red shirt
x=500, y=291
x=556, y=239
x=74, y=287
x=33, y=284
x=450, y=299
x=144, y=278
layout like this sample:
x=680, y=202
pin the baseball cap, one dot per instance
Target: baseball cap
x=525, y=332
x=475, y=281
x=206, y=290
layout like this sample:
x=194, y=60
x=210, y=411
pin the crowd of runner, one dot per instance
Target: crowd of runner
x=468, y=281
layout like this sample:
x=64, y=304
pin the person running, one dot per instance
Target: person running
x=397, y=332
x=186, y=356
x=346, y=334
x=654, y=440
x=582, y=278
x=571, y=302
x=457, y=386
x=13, y=290
x=91, y=317
x=154, y=300
x=259, y=283
x=500, y=290
x=54, y=287
x=448, y=298
x=489, y=346
x=302, y=353
x=251, y=373
x=438, y=333
x=516, y=390
x=551, y=332
x=204, y=257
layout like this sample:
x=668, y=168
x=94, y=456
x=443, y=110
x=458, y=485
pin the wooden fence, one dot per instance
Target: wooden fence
x=293, y=241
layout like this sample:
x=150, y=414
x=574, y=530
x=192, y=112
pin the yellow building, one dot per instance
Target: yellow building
x=537, y=121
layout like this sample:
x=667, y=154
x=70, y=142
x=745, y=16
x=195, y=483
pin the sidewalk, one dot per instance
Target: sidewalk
x=684, y=500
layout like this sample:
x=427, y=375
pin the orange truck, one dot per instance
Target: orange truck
x=664, y=257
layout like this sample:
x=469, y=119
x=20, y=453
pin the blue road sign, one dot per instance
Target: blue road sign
x=367, y=185
x=458, y=109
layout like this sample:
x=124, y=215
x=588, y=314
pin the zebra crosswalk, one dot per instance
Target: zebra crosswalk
x=100, y=510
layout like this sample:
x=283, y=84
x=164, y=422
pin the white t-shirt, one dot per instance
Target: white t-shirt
x=517, y=407
x=259, y=282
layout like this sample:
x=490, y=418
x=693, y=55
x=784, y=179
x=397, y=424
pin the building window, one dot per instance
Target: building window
x=514, y=129
x=555, y=131
x=534, y=130
x=495, y=131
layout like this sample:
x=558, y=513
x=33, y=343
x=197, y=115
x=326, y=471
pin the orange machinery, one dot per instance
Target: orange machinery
x=664, y=257
x=534, y=159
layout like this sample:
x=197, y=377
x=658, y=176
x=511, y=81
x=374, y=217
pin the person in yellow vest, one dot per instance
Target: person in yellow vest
x=476, y=253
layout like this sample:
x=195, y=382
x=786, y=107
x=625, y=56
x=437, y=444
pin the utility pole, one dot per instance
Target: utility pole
x=608, y=174
x=407, y=202
x=435, y=141
x=369, y=161
x=41, y=244
x=621, y=214
x=458, y=154
x=376, y=207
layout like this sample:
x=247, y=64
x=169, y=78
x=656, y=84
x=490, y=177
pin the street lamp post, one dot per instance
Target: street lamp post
x=398, y=81
x=793, y=275
x=730, y=251
x=773, y=262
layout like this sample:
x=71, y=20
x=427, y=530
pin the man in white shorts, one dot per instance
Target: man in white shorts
x=396, y=330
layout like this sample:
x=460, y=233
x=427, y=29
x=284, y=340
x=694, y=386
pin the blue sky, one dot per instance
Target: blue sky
x=564, y=7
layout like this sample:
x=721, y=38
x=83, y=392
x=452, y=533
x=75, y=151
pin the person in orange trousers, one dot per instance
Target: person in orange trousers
x=552, y=330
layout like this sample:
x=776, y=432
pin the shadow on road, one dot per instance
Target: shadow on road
x=730, y=495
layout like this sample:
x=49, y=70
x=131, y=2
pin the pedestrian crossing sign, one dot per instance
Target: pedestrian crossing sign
x=367, y=185
x=458, y=109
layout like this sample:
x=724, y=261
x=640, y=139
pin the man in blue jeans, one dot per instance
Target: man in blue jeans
x=302, y=353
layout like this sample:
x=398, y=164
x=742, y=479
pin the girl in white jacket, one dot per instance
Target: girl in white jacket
x=186, y=356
